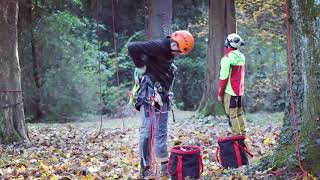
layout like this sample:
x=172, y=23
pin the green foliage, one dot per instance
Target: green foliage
x=266, y=74
x=189, y=82
x=70, y=79
x=266, y=15
x=77, y=2
x=69, y=44
x=261, y=25
x=113, y=100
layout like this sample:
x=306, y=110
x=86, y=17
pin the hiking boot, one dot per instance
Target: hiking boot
x=147, y=173
x=164, y=171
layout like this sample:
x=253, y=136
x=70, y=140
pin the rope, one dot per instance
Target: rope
x=146, y=19
x=99, y=72
x=117, y=57
x=11, y=91
x=292, y=98
x=115, y=45
x=12, y=105
x=153, y=162
x=152, y=137
x=15, y=105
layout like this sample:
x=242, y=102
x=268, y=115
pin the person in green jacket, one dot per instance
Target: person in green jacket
x=231, y=84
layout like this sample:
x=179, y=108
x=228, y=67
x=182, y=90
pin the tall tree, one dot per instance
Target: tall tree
x=159, y=20
x=35, y=61
x=29, y=58
x=221, y=23
x=12, y=119
x=304, y=100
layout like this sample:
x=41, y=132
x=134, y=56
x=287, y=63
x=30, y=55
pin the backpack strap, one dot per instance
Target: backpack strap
x=200, y=165
x=179, y=168
x=237, y=152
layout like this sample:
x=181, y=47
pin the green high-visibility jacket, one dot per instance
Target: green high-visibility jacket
x=232, y=74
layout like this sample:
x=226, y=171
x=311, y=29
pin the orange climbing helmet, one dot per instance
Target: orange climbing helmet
x=184, y=39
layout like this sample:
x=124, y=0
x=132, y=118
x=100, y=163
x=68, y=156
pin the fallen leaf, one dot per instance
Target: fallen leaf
x=22, y=169
x=92, y=169
x=54, y=177
x=279, y=171
x=268, y=141
x=309, y=177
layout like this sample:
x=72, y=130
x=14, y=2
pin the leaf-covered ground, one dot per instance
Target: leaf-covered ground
x=69, y=151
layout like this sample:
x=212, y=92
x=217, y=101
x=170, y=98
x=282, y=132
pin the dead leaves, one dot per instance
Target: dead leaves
x=69, y=152
x=205, y=132
x=66, y=152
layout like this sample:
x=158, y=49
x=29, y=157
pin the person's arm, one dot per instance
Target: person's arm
x=224, y=76
x=139, y=51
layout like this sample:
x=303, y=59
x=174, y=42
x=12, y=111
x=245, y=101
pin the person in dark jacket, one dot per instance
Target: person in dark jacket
x=155, y=74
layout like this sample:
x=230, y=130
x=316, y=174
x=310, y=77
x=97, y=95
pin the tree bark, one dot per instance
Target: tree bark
x=159, y=18
x=29, y=59
x=221, y=23
x=38, y=114
x=305, y=39
x=12, y=119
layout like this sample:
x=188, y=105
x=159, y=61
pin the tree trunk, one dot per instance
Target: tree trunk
x=12, y=120
x=159, y=18
x=305, y=39
x=29, y=59
x=221, y=23
x=38, y=114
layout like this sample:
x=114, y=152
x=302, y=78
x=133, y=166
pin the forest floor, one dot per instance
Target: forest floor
x=69, y=150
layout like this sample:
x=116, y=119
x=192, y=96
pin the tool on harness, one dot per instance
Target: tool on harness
x=132, y=94
x=146, y=94
x=173, y=117
x=170, y=97
x=138, y=73
x=156, y=93
x=157, y=89
x=138, y=77
x=173, y=69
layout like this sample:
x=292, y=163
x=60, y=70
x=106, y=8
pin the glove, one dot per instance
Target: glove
x=138, y=73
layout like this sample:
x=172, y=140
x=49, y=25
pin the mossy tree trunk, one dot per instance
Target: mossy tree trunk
x=304, y=18
x=222, y=22
x=12, y=119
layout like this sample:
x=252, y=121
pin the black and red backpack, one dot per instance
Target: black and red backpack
x=232, y=152
x=185, y=162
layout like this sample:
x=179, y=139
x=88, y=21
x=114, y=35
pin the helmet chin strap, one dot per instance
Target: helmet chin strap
x=177, y=51
x=227, y=44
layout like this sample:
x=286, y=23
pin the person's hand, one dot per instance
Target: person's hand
x=138, y=73
x=219, y=98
